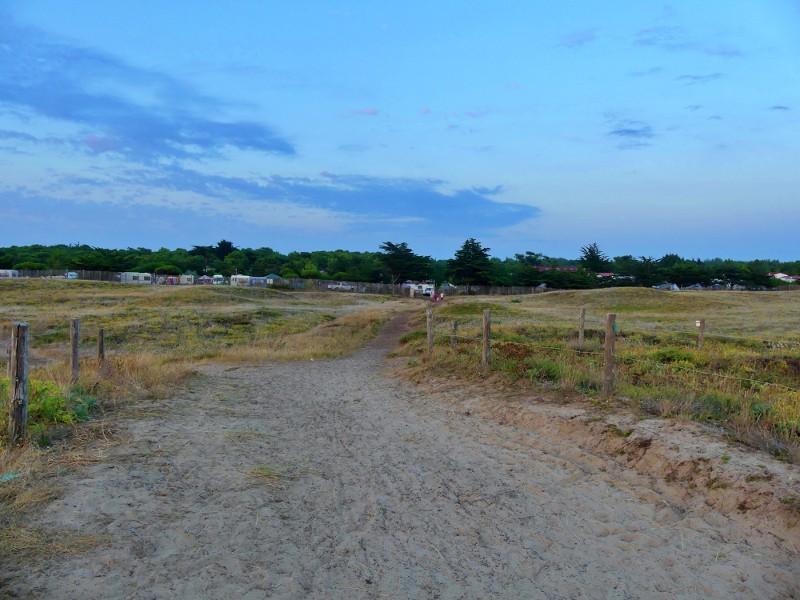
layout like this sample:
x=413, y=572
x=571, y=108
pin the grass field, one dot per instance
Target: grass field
x=155, y=337
x=746, y=377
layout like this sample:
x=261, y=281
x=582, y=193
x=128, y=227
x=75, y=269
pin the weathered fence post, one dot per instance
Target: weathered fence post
x=454, y=335
x=74, y=340
x=429, y=324
x=8, y=352
x=101, y=348
x=701, y=332
x=608, y=358
x=487, y=330
x=18, y=384
x=581, y=327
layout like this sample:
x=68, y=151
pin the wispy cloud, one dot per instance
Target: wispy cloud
x=647, y=72
x=696, y=79
x=369, y=111
x=344, y=202
x=353, y=147
x=631, y=133
x=579, y=38
x=779, y=107
x=477, y=114
x=676, y=39
x=141, y=114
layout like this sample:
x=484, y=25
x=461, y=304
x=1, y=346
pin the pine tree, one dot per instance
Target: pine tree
x=593, y=259
x=471, y=264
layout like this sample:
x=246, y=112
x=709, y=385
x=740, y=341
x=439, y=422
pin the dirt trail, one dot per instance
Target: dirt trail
x=385, y=493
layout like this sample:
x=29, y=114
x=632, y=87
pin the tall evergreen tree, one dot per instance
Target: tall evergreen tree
x=402, y=264
x=471, y=264
x=593, y=259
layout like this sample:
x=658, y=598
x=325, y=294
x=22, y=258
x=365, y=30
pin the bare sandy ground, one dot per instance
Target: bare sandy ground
x=385, y=491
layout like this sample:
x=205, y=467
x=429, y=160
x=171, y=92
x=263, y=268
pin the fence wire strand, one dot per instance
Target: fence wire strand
x=633, y=360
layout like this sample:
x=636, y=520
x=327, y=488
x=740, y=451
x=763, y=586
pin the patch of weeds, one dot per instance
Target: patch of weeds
x=412, y=336
x=715, y=406
x=725, y=458
x=718, y=484
x=587, y=383
x=48, y=405
x=759, y=410
x=792, y=502
x=268, y=474
x=614, y=430
x=544, y=369
x=758, y=477
x=673, y=355
x=23, y=542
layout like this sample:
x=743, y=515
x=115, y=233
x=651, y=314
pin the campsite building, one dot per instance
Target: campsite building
x=137, y=278
x=240, y=280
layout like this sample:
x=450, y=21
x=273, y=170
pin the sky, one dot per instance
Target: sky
x=646, y=127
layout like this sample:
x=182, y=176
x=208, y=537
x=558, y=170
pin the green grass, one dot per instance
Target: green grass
x=50, y=404
x=743, y=383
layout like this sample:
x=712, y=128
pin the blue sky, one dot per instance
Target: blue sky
x=647, y=127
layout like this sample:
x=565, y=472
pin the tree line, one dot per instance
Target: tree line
x=395, y=262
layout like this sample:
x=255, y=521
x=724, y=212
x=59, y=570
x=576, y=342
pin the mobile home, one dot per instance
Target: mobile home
x=186, y=280
x=218, y=280
x=240, y=280
x=138, y=278
x=9, y=274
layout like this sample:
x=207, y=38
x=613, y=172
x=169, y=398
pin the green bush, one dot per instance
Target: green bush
x=716, y=406
x=673, y=355
x=759, y=410
x=48, y=405
x=545, y=369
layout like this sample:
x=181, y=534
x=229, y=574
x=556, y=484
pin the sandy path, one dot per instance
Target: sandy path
x=387, y=494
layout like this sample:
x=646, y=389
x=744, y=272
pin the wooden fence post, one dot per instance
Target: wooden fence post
x=429, y=324
x=581, y=327
x=101, y=347
x=453, y=335
x=608, y=357
x=701, y=332
x=487, y=330
x=18, y=384
x=8, y=352
x=74, y=339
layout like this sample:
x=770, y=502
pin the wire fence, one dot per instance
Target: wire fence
x=508, y=335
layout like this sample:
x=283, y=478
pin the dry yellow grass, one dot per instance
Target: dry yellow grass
x=25, y=543
x=328, y=340
x=154, y=339
x=767, y=315
x=746, y=377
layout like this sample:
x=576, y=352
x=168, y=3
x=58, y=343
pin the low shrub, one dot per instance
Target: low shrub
x=672, y=355
x=544, y=369
x=49, y=405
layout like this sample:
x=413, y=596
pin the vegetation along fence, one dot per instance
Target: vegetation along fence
x=749, y=386
x=18, y=371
